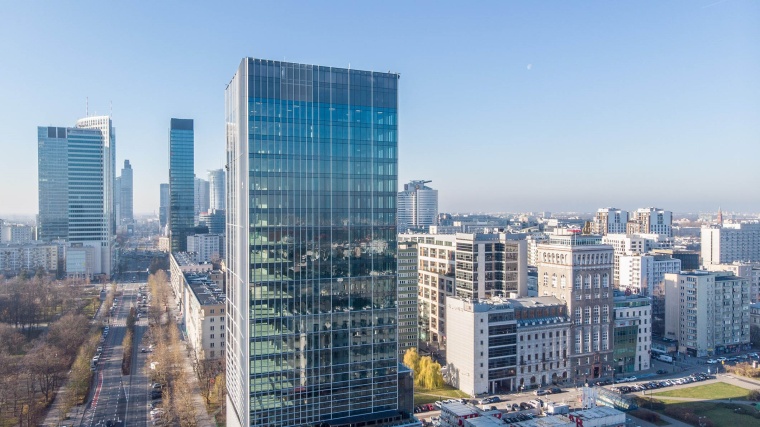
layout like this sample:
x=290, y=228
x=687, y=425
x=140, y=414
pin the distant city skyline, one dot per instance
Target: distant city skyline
x=506, y=106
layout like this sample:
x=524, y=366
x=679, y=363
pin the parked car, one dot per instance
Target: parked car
x=661, y=371
x=515, y=406
x=712, y=361
x=722, y=359
x=556, y=390
x=541, y=392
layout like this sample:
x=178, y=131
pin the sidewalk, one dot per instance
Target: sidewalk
x=53, y=417
x=202, y=415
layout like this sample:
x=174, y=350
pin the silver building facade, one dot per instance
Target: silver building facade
x=311, y=244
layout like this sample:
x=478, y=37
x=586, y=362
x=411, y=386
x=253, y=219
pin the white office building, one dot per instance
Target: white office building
x=481, y=352
x=417, y=207
x=15, y=257
x=731, y=242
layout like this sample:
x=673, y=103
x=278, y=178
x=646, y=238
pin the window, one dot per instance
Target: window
x=212, y=336
x=212, y=345
x=212, y=328
x=554, y=280
x=563, y=281
x=212, y=311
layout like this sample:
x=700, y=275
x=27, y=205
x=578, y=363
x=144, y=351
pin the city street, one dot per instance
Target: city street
x=116, y=398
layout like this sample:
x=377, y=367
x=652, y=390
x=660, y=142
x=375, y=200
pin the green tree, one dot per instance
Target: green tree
x=412, y=360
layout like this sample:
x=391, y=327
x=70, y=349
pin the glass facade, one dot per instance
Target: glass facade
x=312, y=293
x=53, y=175
x=181, y=182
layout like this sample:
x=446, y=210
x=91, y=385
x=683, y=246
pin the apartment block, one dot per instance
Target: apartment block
x=202, y=307
x=642, y=274
x=731, y=242
x=651, y=221
x=609, y=221
x=15, y=258
x=748, y=270
x=707, y=313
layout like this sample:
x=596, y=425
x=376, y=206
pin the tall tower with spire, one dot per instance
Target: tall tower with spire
x=720, y=216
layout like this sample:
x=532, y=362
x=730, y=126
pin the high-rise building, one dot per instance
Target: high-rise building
x=707, y=313
x=651, y=221
x=163, y=206
x=181, y=182
x=643, y=274
x=311, y=237
x=417, y=207
x=201, y=198
x=217, y=195
x=76, y=175
x=117, y=200
x=578, y=269
x=126, y=195
x=470, y=265
x=609, y=221
x=53, y=173
x=408, y=332
x=739, y=241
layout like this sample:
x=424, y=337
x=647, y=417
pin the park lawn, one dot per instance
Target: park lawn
x=422, y=395
x=721, y=414
x=715, y=391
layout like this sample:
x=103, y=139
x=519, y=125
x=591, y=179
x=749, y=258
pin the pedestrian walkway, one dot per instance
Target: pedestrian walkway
x=202, y=415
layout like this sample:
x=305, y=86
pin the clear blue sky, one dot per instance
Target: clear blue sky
x=505, y=106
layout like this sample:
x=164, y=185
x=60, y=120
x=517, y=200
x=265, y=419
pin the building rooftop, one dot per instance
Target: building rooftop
x=459, y=409
x=206, y=291
x=597, y=412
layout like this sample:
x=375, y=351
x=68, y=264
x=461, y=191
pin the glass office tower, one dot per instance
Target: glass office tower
x=53, y=178
x=311, y=226
x=181, y=182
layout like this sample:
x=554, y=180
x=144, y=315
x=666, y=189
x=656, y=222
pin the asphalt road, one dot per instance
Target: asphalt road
x=116, y=397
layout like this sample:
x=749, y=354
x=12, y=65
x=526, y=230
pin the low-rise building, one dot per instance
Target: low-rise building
x=543, y=341
x=633, y=334
x=706, y=312
x=202, y=307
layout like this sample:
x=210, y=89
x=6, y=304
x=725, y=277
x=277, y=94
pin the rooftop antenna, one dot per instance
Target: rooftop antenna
x=87, y=106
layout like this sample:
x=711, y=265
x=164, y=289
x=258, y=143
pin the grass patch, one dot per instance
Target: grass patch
x=422, y=395
x=719, y=414
x=715, y=391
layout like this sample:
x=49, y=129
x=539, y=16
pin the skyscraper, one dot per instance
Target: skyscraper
x=417, y=206
x=163, y=206
x=201, y=200
x=181, y=182
x=216, y=189
x=126, y=193
x=53, y=177
x=311, y=238
x=76, y=176
x=609, y=221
